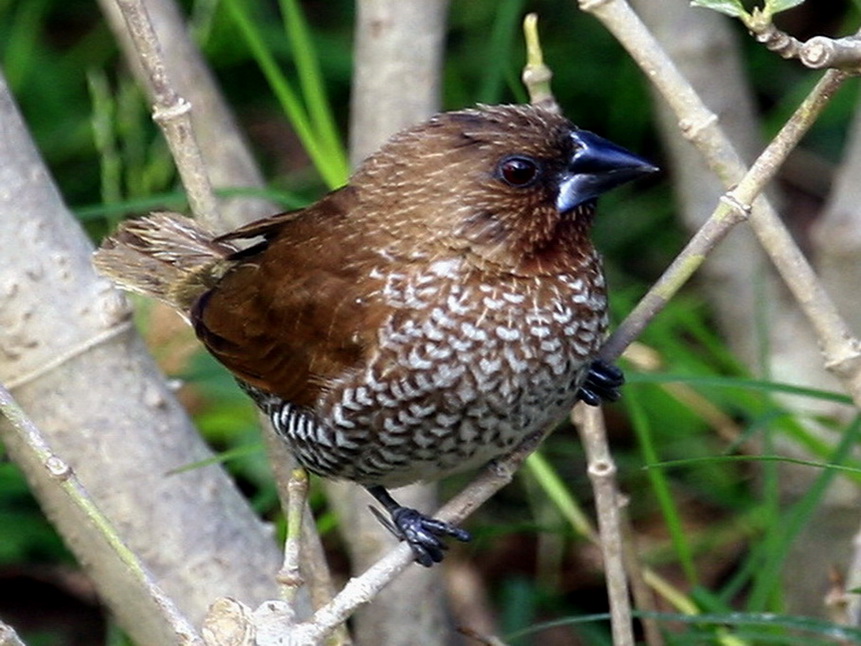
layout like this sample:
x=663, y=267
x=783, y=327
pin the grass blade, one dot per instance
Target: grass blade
x=786, y=529
x=332, y=173
x=660, y=484
x=311, y=82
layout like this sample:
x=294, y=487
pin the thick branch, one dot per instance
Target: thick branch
x=93, y=521
x=87, y=383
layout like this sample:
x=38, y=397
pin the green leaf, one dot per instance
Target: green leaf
x=776, y=6
x=732, y=8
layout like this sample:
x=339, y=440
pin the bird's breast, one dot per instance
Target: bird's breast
x=465, y=367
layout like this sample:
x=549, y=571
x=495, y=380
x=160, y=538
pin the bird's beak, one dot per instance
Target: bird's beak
x=596, y=166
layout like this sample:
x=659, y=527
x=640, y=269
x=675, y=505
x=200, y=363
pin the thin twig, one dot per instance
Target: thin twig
x=734, y=207
x=173, y=114
x=819, y=52
x=318, y=576
x=536, y=75
x=775, y=40
x=290, y=576
x=602, y=472
x=303, y=537
x=68, y=482
x=314, y=568
x=643, y=595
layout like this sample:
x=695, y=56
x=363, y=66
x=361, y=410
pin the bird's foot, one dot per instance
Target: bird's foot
x=423, y=534
x=602, y=383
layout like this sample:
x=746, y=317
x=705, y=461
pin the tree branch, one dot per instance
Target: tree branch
x=173, y=113
x=602, y=472
x=840, y=349
x=227, y=156
x=98, y=526
x=53, y=305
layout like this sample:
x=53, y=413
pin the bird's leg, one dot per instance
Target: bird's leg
x=602, y=383
x=423, y=534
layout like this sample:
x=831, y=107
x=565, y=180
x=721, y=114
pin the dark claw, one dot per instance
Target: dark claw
x=602, y=383
x=422, y=533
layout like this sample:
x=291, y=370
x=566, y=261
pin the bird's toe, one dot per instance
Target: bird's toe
x=602, y=383
x=424, y=534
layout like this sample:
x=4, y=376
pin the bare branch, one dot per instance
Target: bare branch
x=172, y=113
x=290, y=576
x=820, y=52
x=228, y=158
x=54, y=306
x=536, y=75
x=775, y=40
x=602, y=472
x=840, y=53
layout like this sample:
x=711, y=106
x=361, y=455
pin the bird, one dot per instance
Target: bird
x=423, y=319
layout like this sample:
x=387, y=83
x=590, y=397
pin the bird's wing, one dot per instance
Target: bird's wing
x=296, y=312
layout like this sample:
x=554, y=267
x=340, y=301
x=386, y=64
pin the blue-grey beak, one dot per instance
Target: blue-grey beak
x=596, y=166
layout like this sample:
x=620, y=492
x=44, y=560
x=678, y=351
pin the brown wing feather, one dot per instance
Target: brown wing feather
x=297, y=312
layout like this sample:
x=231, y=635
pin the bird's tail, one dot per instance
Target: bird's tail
x=166, y=256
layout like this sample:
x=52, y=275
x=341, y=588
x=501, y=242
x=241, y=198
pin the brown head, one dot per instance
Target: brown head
x=510, y=187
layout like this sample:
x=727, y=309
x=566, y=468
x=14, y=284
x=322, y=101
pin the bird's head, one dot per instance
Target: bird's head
x=511, y=187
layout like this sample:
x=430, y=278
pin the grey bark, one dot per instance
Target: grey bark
x=8, y=636
x=704, y=48
x=837, y=231
x=86, y=380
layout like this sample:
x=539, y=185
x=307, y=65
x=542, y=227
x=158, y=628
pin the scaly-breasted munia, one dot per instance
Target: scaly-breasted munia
x=423, y=319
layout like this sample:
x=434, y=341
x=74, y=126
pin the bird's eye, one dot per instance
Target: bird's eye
x=518, y=171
